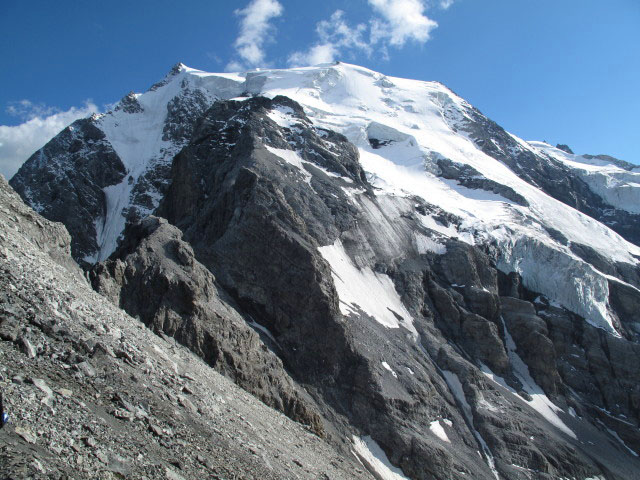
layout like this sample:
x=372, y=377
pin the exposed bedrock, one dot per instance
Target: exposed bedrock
x=155, y=276
x=64, y=181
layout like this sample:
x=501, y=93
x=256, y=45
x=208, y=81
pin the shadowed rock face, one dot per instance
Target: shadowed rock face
x=64, y=181
x=469, y=177
x=155, y=276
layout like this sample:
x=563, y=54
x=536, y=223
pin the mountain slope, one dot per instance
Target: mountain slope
x=91, y=393
x=439, y=287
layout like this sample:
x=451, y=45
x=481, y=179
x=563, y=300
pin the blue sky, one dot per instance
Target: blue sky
x=563, y=71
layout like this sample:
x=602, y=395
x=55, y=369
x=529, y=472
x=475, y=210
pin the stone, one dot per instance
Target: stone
x=86, y=369
x=48, y=393
x=172, y=474
x=27, y=348
x=9, y=330
x=26, y=434
x=156, y=430
x=185, y=402
x=65, y=392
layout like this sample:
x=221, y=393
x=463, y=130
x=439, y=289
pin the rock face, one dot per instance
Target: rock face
x=253, y=221
x=69, y=174
x=338, y=257
x=154, y=276
x=104, y=397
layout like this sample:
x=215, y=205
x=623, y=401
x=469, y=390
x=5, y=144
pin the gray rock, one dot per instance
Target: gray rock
x=26, y=434
x=564, y=148
x=86, y=369
x=48, y=393
x=68, y=175
x=531, y=336
x=182, y=299
x=27, y=347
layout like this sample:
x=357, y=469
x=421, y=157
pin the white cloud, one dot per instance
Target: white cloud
x=254, y=32
x=394, y=23
x=335, y=36
x=26, y=109
x=319, y=53
x=401, y=20
x=19, y=142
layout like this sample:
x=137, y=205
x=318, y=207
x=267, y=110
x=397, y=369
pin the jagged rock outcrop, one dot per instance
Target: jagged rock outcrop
x=564, y=147
x=70, y=174
x=547, y=173
x=154, y=276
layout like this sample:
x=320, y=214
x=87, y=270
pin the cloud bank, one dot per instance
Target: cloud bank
x=335, y=35
x=42, y=123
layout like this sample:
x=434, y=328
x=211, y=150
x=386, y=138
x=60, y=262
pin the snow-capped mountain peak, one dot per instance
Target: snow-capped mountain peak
x=415, y=139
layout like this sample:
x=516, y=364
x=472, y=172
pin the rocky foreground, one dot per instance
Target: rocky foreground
x=93, y=393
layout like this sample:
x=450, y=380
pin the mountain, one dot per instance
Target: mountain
x=374, y=258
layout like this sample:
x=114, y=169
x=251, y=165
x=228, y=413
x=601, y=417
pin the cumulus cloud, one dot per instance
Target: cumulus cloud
x=393, y=24
x=41, y=124
x=400, y=21
x=319, y=53
x=254, y=32
x=334, y=36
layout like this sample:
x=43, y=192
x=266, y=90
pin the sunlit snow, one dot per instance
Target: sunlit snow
x=375, y=460
x=366, y=290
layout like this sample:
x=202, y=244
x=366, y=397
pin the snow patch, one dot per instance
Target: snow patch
x=425, y=245
x=366, y=290
x=617, y=437
x=438, y=431
x=375, y=460
x=615, y=185
x=282, y=116
x=539, y=401
x=458, y=392
x=387, y=367
x=292, y=158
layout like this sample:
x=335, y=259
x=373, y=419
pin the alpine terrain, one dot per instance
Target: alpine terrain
x=343, y=275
